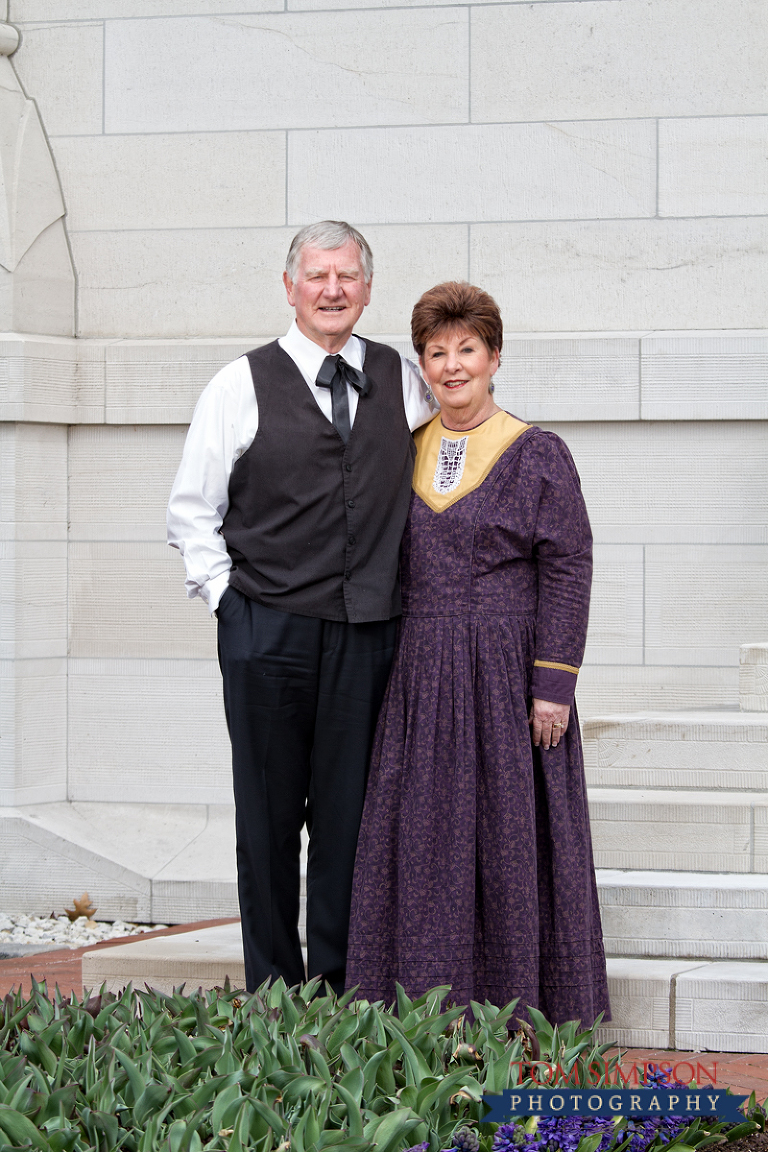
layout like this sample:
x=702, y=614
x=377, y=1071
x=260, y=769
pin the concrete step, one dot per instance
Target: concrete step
x=697, y=750
x=681, y=1005
x=199, y=959
x=680, y=831
x=684, y=914
x=165, y=863
x=175, y=863
x=688, y=1006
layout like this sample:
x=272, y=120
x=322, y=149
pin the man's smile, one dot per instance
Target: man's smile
x=329, y=294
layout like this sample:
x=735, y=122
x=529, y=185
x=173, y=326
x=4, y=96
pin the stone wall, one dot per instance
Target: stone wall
x=601, y=166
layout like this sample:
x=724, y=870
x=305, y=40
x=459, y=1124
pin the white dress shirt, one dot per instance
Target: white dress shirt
x=224, y=423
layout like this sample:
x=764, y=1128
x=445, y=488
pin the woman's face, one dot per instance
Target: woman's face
x=458, y=367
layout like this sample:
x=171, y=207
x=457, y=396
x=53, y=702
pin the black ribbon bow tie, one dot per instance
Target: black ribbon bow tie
x=335, y=374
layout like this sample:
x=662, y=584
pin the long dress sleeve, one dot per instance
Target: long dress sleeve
x=562, y=544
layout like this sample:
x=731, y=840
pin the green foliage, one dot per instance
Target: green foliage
x=281, y=1069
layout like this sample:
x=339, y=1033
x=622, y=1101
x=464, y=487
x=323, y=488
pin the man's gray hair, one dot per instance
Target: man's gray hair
x=328, y=235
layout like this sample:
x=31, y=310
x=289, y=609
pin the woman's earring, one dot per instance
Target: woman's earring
x=491, y=387
x=428, y=394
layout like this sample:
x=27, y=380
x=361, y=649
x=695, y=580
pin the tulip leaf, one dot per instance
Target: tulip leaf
x=20, y=1129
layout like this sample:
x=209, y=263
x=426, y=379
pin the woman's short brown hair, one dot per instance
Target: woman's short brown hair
x=453, y=305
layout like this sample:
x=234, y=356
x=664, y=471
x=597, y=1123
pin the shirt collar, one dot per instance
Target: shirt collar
x=310, y=356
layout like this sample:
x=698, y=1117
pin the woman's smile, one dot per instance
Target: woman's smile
x=458, y=367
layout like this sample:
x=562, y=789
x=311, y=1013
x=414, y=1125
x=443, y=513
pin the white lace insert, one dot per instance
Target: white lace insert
x=450, y=465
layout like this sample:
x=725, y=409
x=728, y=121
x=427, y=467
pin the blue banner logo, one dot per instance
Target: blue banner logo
x=514, y=1102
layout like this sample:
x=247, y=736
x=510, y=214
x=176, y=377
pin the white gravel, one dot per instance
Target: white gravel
x=19, y=930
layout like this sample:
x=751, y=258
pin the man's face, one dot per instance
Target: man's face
x=329, y=294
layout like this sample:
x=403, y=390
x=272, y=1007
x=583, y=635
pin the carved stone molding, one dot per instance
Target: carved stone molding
x=30, y=196
x=9, y=39
x=36, y=275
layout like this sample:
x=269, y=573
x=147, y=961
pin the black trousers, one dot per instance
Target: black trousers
x=301, y=697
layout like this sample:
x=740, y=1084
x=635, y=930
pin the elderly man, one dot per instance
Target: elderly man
x=288, y=509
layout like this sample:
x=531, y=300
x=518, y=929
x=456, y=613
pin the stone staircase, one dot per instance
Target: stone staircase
x=679, y=809
x=679, y=806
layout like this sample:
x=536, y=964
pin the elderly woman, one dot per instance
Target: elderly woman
x=474, y=864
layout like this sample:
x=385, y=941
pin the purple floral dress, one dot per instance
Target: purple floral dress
x=474, y=863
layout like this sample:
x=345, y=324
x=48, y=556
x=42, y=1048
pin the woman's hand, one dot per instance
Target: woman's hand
x=548, y=722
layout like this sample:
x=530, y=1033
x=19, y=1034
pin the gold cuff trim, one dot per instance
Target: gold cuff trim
x=554, y=664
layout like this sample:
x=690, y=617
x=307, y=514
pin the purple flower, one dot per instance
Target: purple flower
x=554, y=1134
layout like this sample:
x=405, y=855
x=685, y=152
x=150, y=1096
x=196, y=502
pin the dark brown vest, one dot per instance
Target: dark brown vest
x=314, y=525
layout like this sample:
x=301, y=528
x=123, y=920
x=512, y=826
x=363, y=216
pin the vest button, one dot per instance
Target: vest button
x=351, y=539
x=347, y=575
x=347, y=467
x=350, y=503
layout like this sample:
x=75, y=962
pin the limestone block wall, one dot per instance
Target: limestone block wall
x=597, y=164
x=601, y=166
x=33, y=613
